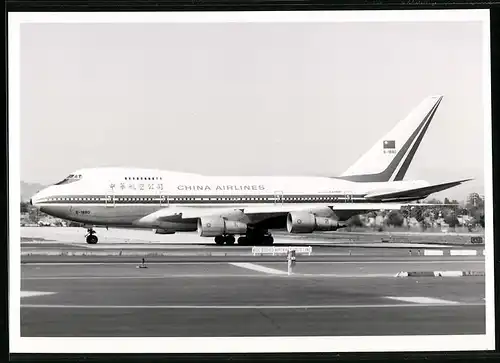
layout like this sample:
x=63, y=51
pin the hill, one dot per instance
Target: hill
x=28, y=189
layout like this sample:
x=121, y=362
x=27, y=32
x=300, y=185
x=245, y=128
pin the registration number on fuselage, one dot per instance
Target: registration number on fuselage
x=82, y=212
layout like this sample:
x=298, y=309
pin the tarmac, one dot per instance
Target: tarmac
x=189, y=291
x=190, y=287
x=115, y=235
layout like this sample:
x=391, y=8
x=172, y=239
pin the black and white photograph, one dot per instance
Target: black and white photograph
x=250, y=182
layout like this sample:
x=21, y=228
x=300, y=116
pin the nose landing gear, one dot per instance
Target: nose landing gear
x=91, y=237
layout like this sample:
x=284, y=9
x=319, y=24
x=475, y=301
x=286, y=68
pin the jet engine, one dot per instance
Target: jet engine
x=163, y=231
x=212, y=227
x=303, y=222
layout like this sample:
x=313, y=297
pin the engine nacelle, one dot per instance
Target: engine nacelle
x=163, y=231
x=212, y=227
x=304, y=222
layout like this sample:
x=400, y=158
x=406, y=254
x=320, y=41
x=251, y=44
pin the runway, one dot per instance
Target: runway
x=169, y=252
x=192, y=287
x=39, y=243
x=206, y=298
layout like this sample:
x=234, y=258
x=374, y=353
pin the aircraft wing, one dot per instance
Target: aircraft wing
x=416, y=192
x=258, y=213
x=173, y=214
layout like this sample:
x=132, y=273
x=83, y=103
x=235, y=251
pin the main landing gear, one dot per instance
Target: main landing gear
x=265, y=239
x=91, y=237
x=255, y=238
x=226, y=239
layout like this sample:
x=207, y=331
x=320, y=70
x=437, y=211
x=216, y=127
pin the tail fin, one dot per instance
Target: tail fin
x=390, y=157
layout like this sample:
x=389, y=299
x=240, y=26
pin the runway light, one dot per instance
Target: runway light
x=291, y=258
x=143, y=264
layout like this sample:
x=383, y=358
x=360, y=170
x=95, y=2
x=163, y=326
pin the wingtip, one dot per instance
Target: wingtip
x=437, y=98
x=461, y=181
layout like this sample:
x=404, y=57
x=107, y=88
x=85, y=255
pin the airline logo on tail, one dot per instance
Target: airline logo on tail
x=389, y=147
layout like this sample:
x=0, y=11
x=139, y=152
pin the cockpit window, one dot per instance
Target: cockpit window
x=70, y=179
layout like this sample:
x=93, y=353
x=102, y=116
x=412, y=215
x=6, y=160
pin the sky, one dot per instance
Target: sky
x=248, y=98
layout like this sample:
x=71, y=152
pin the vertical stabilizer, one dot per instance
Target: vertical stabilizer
x=390, y=157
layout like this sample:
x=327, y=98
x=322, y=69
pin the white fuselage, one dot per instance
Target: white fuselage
x=121, y=197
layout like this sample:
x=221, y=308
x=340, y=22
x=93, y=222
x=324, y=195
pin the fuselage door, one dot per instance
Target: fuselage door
x=164, y=201
x=110, y=196
x=278, y=197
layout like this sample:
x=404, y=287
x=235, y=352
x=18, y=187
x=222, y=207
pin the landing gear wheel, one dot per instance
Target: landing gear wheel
x=268, y=240
x=92, y=239
x=219, y=240
x=230, y=240
x=243, y=241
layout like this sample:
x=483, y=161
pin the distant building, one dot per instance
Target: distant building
x=475, y=199
x=464, y=219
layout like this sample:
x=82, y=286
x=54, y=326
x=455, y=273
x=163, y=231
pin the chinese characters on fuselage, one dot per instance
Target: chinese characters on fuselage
x=141, y=186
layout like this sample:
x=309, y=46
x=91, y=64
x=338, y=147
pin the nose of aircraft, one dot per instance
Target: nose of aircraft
x=35, y=198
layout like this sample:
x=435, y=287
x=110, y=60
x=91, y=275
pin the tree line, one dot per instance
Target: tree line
x=446, y=211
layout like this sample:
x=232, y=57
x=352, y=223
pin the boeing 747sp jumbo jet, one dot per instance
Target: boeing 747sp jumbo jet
x=225, y=206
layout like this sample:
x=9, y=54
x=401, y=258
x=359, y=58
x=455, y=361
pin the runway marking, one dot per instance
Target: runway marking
x=433, y=253
x=380, y=262
x=76, y=264
x=252, y=266
x=344, y=275
x=291, y=307
x=35, y=293
x=424, y=300
x=143, y=277
x=270, y=275
x=464, y=252
x=52, y=244
x=223, y=263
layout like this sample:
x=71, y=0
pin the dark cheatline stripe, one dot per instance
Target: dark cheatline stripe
x=205, y=199
x=156, y=201
x=387, y=173
x=406, y=164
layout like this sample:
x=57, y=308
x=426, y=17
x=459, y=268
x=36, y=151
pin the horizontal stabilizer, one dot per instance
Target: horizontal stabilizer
x=414, y=193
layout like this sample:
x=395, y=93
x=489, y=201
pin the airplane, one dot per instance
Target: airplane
x=247, y=206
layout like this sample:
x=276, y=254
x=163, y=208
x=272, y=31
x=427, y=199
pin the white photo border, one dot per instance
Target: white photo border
x=266, y=344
